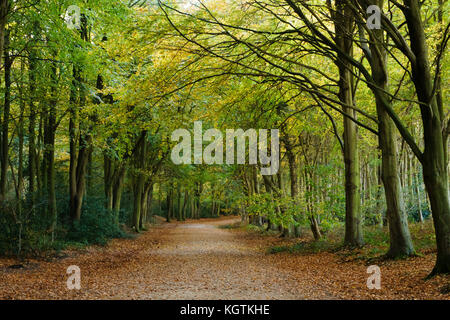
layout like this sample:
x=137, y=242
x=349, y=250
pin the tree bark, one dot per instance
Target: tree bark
x=139, y=180
x=434, y=158
x=49, y=150
x=353, y=220
x=80, y=142
x=400, y=238
x=6, y=112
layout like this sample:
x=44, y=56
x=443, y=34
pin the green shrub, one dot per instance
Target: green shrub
x=236, y=225
x=24, y=230
x=96, y=226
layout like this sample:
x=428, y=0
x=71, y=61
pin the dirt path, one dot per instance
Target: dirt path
x=195, y=260
x=201, y=261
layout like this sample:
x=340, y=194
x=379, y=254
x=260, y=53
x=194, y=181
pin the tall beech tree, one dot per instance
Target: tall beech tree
x=375, y=53
x=344, y=30
x=80, y=137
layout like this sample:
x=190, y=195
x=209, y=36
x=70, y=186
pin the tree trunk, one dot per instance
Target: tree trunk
x=144, y=206
x=169, y=204
x=80, y=143
x=139, y=180
x=5, y=6
x=108, y=180
x=117, y=192
x=20, y=134
x=293, y=168
x=5, y=124
x=434, y=158
x=314, y=224
x=179, y=208
x=32, y=66
x=49, y=151
x=400, y=238
x=344, y=40
x=419, y=202
x=185, y=202
x=138, y=186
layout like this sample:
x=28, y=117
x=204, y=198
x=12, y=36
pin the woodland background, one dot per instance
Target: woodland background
x=363, y=114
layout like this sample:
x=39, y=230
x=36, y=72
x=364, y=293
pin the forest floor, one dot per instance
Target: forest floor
x=203, y=260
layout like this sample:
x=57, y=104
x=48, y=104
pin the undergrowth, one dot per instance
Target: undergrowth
x=376, y=242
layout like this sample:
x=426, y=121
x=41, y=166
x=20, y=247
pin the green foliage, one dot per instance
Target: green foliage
x=280, y=211
x=376, y=242
x=97, y=225
x=24, y=231
x=231, y=226
x=303, y=247
x=252, y=228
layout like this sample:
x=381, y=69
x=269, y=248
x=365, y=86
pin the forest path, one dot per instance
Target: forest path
x=189, y=260
x=199, y=260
